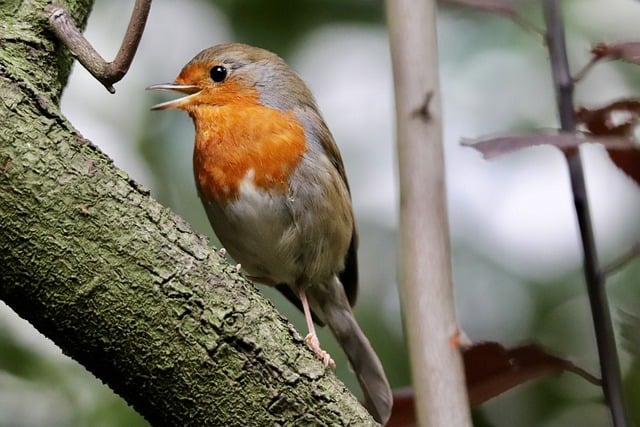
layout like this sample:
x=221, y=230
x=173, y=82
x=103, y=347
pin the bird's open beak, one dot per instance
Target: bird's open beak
x=190, y=90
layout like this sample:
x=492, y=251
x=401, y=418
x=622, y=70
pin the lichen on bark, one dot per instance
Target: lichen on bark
x=122, y=284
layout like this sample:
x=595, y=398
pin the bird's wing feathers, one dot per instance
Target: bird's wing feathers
x=319, y=138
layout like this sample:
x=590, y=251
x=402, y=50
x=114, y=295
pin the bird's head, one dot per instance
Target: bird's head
x=236, y=74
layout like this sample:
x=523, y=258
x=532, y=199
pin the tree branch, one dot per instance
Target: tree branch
x=123, y=285
x=105, y=72
x=425, y=266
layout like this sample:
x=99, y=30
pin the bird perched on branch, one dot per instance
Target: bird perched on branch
x=272, y=181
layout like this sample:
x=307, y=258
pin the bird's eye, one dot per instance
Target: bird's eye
x=218, y=73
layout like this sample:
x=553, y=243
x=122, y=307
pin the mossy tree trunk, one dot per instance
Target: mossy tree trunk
x=123, y=285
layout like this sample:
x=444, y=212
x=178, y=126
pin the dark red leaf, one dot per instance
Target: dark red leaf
x=629, y=162
x=618, y=119
x=615, y=119
x=490, y=370
x=403, y=412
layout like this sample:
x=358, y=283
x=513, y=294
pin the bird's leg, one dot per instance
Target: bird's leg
x=312, y=339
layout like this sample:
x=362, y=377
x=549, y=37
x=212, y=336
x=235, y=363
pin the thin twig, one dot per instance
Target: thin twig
x=504, y=8
x=528, y=26
x=634, y=252
x=587, y=67
x=105, y=72
x=609, y=364
x=586, y=375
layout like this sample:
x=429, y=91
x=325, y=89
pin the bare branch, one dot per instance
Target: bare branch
x=504, y=8
x=587, y=67
x=105, y=72
x=426, y=288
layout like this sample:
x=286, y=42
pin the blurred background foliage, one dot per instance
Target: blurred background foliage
x=516, y=256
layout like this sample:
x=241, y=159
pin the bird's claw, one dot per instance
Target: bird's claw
x=314, y=345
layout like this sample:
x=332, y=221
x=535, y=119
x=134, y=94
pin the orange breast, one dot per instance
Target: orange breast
x=234, y=139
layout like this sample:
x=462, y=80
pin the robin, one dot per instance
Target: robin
x=272, y=182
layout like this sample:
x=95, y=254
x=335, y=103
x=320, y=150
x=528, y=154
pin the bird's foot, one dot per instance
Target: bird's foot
x=314, y=344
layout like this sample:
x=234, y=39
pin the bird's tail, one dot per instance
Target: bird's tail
x=363, y=358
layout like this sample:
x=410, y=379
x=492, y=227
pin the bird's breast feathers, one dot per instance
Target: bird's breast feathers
x=277, y=203
x=232, y=140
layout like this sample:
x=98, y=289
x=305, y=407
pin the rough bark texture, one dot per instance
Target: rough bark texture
x=123, y=285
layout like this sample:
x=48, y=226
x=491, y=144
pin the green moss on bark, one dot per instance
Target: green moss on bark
x=125, y=286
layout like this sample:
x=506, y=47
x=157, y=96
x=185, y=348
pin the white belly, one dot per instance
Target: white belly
x=258, y=231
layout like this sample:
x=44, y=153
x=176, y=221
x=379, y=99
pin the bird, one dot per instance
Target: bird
x=272, y=182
